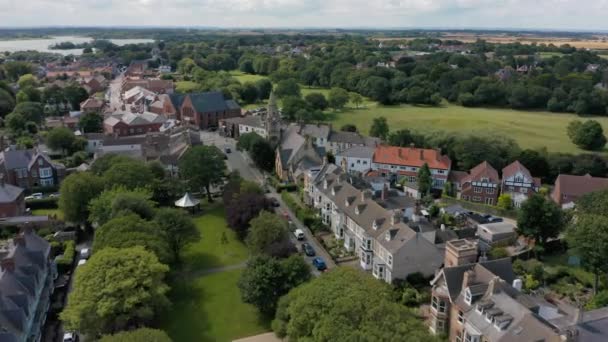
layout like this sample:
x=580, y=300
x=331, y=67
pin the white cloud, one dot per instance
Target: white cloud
x=565, y=14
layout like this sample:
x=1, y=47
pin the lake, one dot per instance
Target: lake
x=42, y=45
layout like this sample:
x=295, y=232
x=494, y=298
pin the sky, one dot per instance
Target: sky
x=517, y=14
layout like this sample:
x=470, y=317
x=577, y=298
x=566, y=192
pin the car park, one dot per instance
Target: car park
x=319, y=264
x=307, y=249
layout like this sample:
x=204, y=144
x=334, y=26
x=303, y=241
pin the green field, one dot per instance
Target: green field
x=243, y=77
x=550, y=54
x=209, y=307
x=529, y=128
x=186, y=86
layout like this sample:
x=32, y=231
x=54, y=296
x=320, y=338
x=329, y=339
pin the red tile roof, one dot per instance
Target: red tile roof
x=513, y=168
x=411, y=156
x=483, y=170
x=575, y=186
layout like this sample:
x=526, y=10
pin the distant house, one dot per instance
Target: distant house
x=154, y=85
x=27, y=273
x=237, y=126
x=357, y=159
x=481, y=185
x=12, y=202
x=30, y=168
x=296, y=154
x=518, y=183
x=94, y=84
x=339, y=141
x=497, y=233
x=125, y=124
x=92, y=105
x=205, y=110
x=406, y=161
x=138, y=95
x=569, y=188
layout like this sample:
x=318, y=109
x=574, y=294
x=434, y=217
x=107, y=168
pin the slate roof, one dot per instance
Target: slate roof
x=9, y=193
x=23, y=159
x=594, y=326
x=358, y=152
x=316, y=131
x=484, y=271
x=177, y=99
x=249, y=120
x=210, y=102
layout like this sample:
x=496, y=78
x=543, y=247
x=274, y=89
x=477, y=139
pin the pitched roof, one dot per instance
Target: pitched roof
x=457, y=176
x=209, y=102
x=483, y=170
x=23, y=159
x=515, y=167
x=484, y=270
x=576, y=186
x=411, y=156
x=9, y=193
x=316, y=131
x=177, y=99
x=358, y=152
x=91, y=102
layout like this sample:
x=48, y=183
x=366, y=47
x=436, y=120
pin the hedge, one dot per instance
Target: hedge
x=43, y=203
x=45, y=189
x=65, y=262
x=306, y=215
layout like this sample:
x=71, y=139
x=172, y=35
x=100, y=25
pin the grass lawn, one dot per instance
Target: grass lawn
x=186, y=86
x=50, y=212
x=243, y=77
x=531, y=129
x=209, y=307
x=550, y=54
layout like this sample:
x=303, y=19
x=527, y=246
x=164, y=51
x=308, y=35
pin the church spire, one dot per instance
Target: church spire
x=272, y=104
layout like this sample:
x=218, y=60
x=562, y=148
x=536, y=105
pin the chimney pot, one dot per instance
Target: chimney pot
x=422, y=154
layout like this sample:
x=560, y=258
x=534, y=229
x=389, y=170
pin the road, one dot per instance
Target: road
x=114, y=92
x=240, y=162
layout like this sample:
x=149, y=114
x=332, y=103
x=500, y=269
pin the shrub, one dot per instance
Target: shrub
x=44, y=203
x=64, y=263
x=498, y=253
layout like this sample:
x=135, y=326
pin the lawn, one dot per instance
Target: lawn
x=209, y=307
x=50, y=212
x=186, y=86
x=531, y=129
x=243, y=77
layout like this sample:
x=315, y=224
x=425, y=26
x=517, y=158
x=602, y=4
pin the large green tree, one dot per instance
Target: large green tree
x=338, y=98
x=588, y=236
x=131, y=174
x=118, y=201
x=266, y=230
x=91, y=123
x=7, y=103
x=115, y=289
x=266, y=279
x=379, y=128
x=345, y=305
x=593, y=203
x=288, y=87
x=105, y=162
x=138, y=335
x=541, y=219
x=262, y=155
x=316, y=101
x=588, y=135
x=425, y=181
x=202, y=167
x=77, y=190
x=131, y=230
x=177, y=228
x=60, y=139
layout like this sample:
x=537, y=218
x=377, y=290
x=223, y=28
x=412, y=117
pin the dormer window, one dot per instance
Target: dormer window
x=468, y=297
x=387, y=236
x=357, y=210
x=325, y=184
x=375, y=225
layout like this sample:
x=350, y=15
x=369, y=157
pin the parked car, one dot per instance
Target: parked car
x=227, y=150
x=70, y=337
x=85, y=253
x=319, y=264
x=36, y=195
x=275, y=202
x=55, y=195
x=299, y=234
x=307, y=249
x=81, y=262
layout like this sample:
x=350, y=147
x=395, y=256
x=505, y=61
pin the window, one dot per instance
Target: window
x=40, y=162
x=365, y=162
x=524, y=190
x=470, y=338
x=439, y=325
x=460, y=317
x=467, y=296
x=46, y=172
x=459, y=337
x=34, y=173
x=511, y=189
x=434, y=302
x=46, y=182
x=390, y=260
x=368, y=244
x=477, y=189
x=490, y=190
x=402, y=167
x=441, y=306
x=440, y=172
x=489, y=201
x=519, y=179
x=476, y=199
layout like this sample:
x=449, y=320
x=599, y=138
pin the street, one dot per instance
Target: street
x=114, y=93
x=240, y=162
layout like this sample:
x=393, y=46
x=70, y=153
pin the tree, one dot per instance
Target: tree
x=249, y=92
x=505, y=202
x=288, y=87
x=75, y=95
x=593, y=203
x=540, y=218
x=61, y=139
x=265, y=229
x=91, y=123
x=131, y=230
x=262, y=155
x=105, y=162
x=348, y=128
x=247, y=140
x=588, y=135
x=535, y=161
x=7, y=103
x=31, y=111
x=16, y=123
x=242, y=209
x=77, y=190
x=425, y=181
x=119, y=201
x=356, y=99
x=115, y=289
x=266, y=279
x=338, y=98
x=202, y=167
x=27, y=80
x=264, y=88
x=292, y=105
x=379, y=128
x=131, y=174
x=588, y=236
x=138, y=335
x=16, y=69
x=316, y=101
x=344, y=305
x=178, y=229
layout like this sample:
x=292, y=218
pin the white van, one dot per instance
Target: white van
x=299, y=234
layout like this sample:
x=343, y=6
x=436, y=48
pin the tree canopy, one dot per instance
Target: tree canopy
x=138, y=335
x=91, y=123
x=119, y=201
x=588, y=236
x=131, y=174
x=540, y=218
x=379, y=128
x=425, y=181
x=177, y=228
x=77, y=190
x=202, y=167
x=588, y=135
x=115, y=289
x=265, y=230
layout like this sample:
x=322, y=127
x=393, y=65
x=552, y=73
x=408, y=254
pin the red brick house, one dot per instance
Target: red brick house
x=12, y=200
x=124, y=124
x=406, y=161
x=518, y=183
x=569, y=188
x=30, y=168
x=206, y=109
x=481, y=185
x=92, y=105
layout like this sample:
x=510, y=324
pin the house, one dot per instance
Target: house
x=136, y=69
x=61, y=121
x=456, y=178
x=156, y=86
x=94, y=84
x=235, y=127
x=296, y=154
x=138, y=95
x=357, y=159
x=205, y=110
x=26, y=285
x=384, y=244
x=481, y=185
x=592, y=326
x=569, y=188
x=482, y=301
x=518, y=183
x=30, y=168
x=496, y=234
x=339, y=141
x=92, y=105
x=404, y=162
x=12, y=202
x=125, y=124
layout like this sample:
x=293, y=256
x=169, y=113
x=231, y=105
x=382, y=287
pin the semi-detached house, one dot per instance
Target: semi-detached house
x=385, y=245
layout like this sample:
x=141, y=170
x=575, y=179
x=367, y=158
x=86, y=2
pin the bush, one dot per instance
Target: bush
x=289, y=187
x=65, y=262
x=45, y=189
x=44, y=203
x=498, y=253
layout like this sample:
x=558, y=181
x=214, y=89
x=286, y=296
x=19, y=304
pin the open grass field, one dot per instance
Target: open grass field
x=243, y=77
x=529, y=128
x=208, y=307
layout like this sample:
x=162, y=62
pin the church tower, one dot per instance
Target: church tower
x=272, y=123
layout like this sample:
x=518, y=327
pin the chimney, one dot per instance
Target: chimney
x=7, y=264
x=399, y=151
x=412, y=145
x=365, y=195
x=395, y=217
x=384, y=193
x=517, y=284
x=422, y=154
x=468, y=278
x=438, y=156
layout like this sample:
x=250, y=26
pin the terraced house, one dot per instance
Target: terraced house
x=26, y=284
x=385, y=245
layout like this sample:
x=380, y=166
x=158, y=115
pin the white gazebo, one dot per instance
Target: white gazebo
x=187, y=202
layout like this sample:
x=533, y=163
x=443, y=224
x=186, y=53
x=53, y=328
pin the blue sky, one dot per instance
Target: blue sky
x=534, y=14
